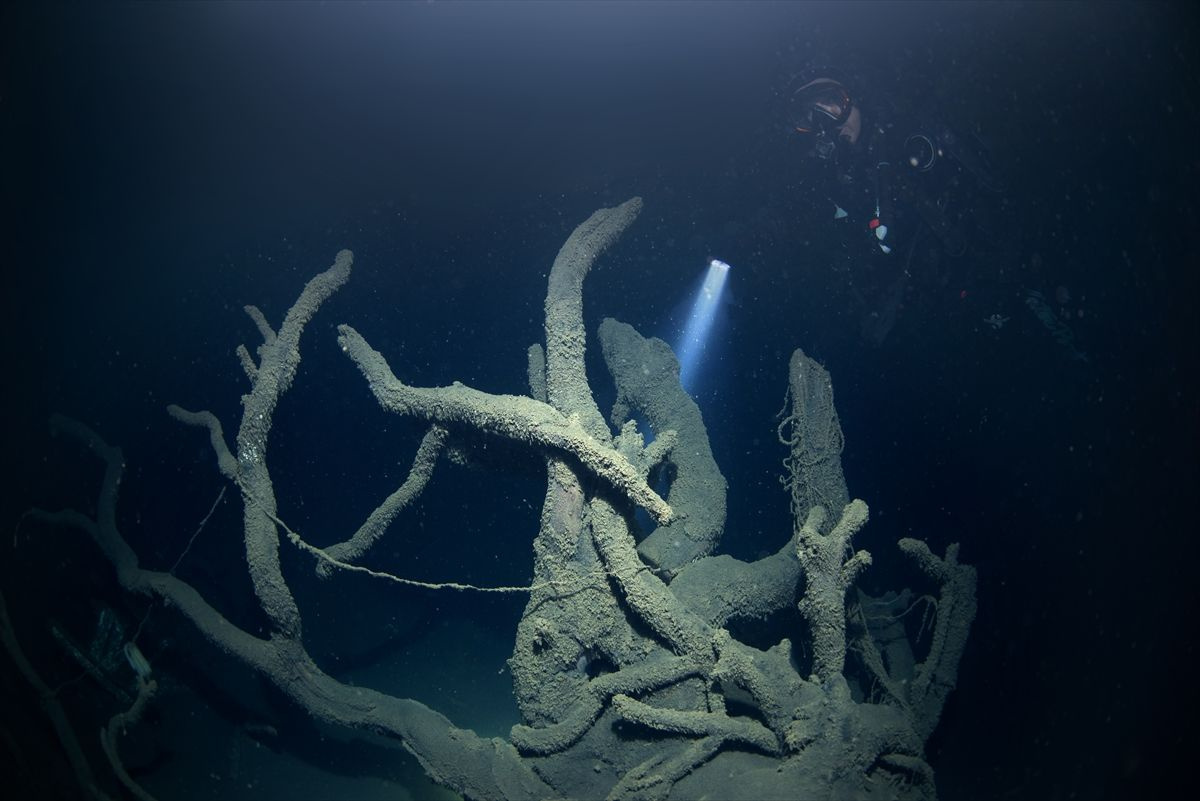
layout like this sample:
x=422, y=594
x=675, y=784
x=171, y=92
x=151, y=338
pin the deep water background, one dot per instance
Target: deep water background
x=165, y=164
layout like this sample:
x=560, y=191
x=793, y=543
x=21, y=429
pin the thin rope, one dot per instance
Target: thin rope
x=299, y=542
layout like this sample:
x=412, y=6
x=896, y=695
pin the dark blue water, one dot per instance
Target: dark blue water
x=167, y=164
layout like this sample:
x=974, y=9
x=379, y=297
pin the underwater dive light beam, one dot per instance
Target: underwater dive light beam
x=699, y=323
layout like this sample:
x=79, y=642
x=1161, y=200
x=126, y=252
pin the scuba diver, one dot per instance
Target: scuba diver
x=903, y=183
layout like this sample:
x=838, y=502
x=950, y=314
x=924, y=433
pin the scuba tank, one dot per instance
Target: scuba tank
x=934, y=157
x=931, y=144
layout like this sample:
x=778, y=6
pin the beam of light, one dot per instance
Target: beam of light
x=699, y=323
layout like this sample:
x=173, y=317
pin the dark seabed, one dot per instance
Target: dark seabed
x=1032, y=397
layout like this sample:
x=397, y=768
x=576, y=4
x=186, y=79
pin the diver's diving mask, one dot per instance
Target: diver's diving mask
x=822, y=110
